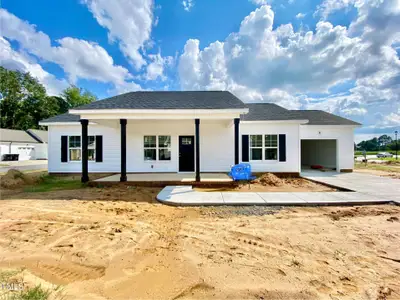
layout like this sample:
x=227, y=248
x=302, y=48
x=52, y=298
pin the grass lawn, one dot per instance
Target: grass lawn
x=372, y=152
x=378, y=167
x=389, y=159
x=51, y=183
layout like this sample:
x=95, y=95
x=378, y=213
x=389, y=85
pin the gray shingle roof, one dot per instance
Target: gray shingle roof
x=40, y=135
x=319, y=117
x=62, y=118
x=17, y=136
x=273, y=112
x=169, y=100
x=269, y=112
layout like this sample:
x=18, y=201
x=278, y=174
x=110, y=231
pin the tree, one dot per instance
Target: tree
x=74, y=96
x=24, y=101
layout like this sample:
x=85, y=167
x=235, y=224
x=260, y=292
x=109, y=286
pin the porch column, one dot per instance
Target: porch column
x=236, y=121
x=197, y=132
x=85, y=171
x=123, y=150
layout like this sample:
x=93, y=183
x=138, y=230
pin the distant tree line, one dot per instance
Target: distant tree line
x=382, y=143
x=24, y=101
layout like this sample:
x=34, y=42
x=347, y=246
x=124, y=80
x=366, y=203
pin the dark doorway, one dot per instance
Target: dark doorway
x=186, y=153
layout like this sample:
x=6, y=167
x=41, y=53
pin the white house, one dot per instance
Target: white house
x=201, y=131
x=28, y=145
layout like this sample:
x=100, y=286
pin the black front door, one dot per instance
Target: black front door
x=186, y=153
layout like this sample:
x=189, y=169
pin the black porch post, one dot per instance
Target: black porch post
x=123, y=150
x=85, y=171
x=236, y=121
x=197, y=131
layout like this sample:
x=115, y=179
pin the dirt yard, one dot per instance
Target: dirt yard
x=271, y=183
x=124, y=245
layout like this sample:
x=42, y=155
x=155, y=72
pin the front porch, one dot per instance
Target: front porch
x=162, y=179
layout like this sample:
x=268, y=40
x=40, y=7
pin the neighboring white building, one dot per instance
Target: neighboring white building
x=29, y=145
x=204, y=131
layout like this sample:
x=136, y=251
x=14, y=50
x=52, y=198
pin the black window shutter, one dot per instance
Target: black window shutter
x=99, y=148
x=245, y=148
x=282, y=147
x=64, y=148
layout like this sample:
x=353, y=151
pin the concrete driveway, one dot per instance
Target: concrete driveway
x=23, y=165
x=372, y=185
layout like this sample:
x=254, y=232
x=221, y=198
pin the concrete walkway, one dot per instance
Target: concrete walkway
x=376, y=186
x=367, y=192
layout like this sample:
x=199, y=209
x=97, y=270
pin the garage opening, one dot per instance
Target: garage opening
x=318, y=153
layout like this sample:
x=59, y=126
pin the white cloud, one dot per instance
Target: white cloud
x=188, y=5
x=78, y=58
x=329, y=6
x=300, y=16
x=155, y=69
x=259, y=63
x=129, y=22
x=259, y=2
x=14, y=60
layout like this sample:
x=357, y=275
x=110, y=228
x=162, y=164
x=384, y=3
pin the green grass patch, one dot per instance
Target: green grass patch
x=388, y=159
x=373, y=152
x=36, y=293
x=48, y=183
x=378, y=167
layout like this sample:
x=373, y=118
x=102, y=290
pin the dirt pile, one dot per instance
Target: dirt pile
x=15, y=178
x=269, y=179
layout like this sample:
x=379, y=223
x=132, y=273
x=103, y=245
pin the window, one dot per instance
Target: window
x=150, y=147
x=75, y=148
x=157, y=144
x=256, y=147
x=271, y=147
x=264, y=147
x=164, y=147
x=91, y=147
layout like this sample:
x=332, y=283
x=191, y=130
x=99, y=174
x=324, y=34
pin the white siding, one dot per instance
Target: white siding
x=26, y=151
x=344, y=136
x=111, y=149
x=216, y=145
x=292, y=163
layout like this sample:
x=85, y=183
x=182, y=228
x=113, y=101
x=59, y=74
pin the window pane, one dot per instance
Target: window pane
x=164, y=154
x=186, y=141
x=91, y=154
x=74, y=141
x=74, y=154
x=164, y=141
x=149, y=141
x=149, y=154
x=271, y=154
x=255, y=154
x=256, y=141
x=271, y=140
x=91, y=141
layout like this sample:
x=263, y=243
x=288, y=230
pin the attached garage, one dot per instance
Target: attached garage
x=319, y=152
x=327, y=140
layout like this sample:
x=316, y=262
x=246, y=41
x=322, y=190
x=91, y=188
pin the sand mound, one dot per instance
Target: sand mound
x=269, y=179
x=15, y=178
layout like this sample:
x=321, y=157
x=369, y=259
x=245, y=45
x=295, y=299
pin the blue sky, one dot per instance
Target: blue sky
x=300, y=54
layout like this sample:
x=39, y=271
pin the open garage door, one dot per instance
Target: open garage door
x=319, y=152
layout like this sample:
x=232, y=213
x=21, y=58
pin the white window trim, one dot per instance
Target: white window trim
x=157, y=148
x=259, y=147
x=80, y=148
x=263, y=148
